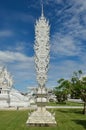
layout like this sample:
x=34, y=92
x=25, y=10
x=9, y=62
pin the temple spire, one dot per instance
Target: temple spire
x=42, y=13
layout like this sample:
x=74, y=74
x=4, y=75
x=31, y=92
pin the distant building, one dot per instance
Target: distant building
x=10, y=97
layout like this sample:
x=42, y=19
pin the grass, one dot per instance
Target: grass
x=68, y=103
x=68, y=119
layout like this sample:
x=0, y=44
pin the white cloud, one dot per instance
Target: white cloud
x=10, y=17
x=21, y=67
x=75, y=28
x=68, y=38
x=22, y=17
x=64, y=69
x=6, y=33
x=76, y=24
x=17, y=61
x=20, y=46
x=81, y=4
x=64, y=45
x=54, y=1
x=8, y=56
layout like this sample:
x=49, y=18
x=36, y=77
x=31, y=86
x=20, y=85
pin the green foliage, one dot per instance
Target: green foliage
x=79, y=87
x=61, y=96
x=76, y=86
x=62, y=90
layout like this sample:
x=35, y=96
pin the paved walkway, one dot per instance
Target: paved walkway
x=49, y=107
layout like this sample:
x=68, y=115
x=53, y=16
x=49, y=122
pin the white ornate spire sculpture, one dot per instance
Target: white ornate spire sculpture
x=42, y=49
x=41, y=116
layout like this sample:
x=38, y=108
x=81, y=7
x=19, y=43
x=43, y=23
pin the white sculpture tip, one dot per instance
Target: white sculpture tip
x=42, y=13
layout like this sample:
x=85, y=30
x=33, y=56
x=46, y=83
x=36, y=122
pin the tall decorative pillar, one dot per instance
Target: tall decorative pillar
x=41, y=116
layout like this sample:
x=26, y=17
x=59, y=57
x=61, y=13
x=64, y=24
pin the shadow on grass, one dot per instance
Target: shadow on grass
x=80, y=122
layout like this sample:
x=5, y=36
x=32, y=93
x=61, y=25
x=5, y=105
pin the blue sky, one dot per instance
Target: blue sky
x=67, y=19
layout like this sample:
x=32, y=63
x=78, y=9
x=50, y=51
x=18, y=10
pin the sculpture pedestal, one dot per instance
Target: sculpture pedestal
x=41, y=117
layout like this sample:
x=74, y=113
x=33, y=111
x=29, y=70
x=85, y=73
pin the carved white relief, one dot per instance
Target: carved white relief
x=5, y=78
x=42, y=49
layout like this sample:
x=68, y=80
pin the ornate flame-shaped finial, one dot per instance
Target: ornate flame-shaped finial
x=42, y=13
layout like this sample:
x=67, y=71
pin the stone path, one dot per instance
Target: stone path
x=49, y=107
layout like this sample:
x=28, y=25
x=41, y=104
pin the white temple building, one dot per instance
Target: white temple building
x=9, y=96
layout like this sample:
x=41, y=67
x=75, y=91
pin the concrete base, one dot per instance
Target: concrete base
x=41, y=117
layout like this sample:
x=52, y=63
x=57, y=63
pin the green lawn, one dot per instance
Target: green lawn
x=68, y=119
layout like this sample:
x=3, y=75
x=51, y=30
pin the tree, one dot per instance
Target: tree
x=76, y=86
x=60, y=95
x=83, y=92
x=78, y=83
x=62, y=90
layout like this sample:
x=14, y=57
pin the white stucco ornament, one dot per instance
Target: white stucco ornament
x=6, y=79
x=42, y=49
